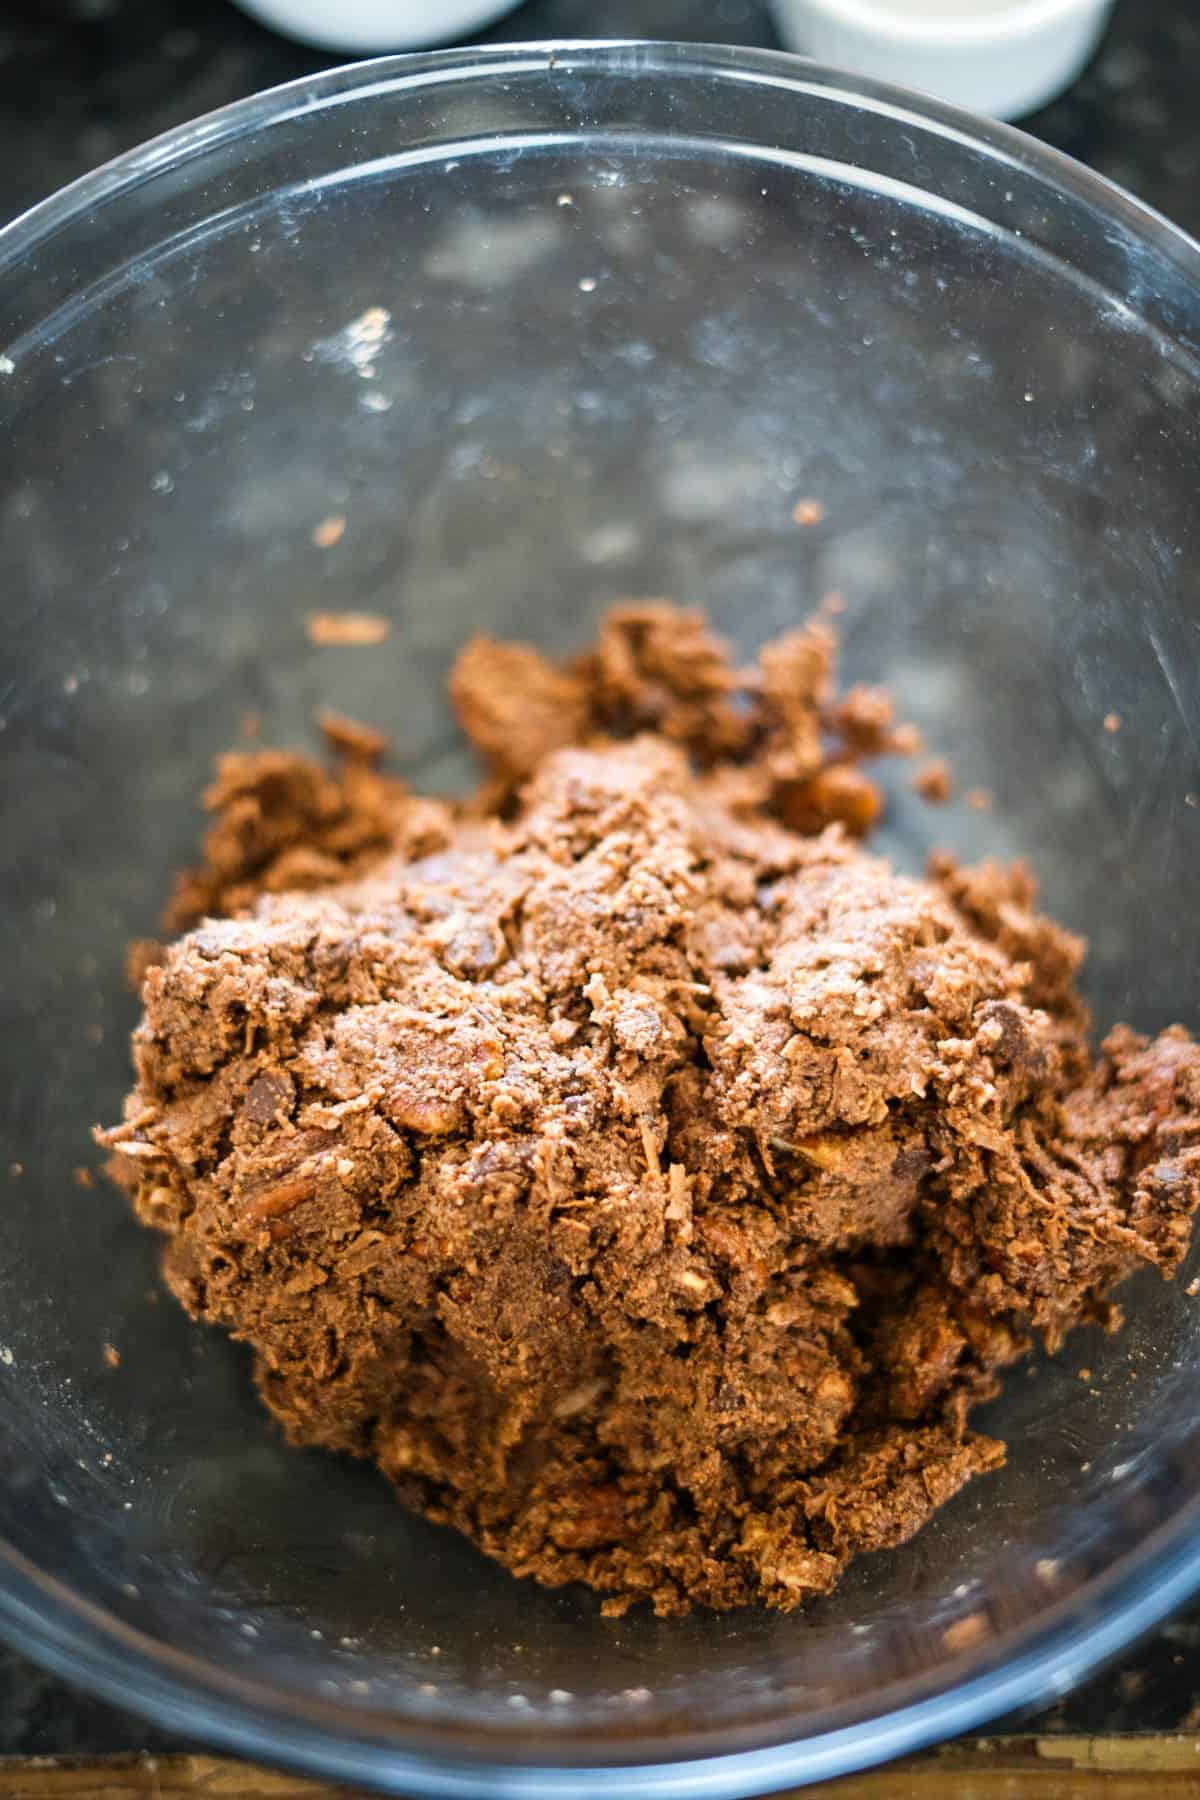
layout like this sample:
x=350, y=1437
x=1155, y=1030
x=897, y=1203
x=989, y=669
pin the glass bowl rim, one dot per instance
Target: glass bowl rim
x=180, y=1691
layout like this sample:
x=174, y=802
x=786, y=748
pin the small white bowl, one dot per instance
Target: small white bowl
x=372, y=25
x=1003, y=57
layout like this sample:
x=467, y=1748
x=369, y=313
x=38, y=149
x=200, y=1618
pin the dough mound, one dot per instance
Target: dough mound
x=638, y=1170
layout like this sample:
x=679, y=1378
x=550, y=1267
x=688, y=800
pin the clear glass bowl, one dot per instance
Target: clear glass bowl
x=550, y=326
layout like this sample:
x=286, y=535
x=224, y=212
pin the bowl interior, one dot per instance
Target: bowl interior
x=547, y=332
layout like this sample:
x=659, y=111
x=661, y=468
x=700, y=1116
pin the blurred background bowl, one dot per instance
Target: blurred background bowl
x=358, y=26
x=546, y=327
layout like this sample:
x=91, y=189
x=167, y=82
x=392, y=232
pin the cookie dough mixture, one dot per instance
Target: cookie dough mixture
x=638, y=1170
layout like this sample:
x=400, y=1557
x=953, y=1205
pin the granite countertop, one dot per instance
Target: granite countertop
x=81, y=80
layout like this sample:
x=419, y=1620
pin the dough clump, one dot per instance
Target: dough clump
x=632, y=1165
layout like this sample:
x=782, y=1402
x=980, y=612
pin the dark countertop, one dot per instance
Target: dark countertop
x=81, y=80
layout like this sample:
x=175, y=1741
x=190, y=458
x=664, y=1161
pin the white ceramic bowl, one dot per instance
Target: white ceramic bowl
x=372, y=25
x=1003, y=57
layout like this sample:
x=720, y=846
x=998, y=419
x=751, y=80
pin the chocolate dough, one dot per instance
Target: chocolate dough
x=639, y=1171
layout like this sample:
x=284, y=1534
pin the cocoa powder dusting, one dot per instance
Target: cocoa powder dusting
x=642, y=1173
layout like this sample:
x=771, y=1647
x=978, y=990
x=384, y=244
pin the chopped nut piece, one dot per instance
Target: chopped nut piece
x=808, y=512
x=966, y=1633
x=839, y=794
x=330, y=531
x=347, y=628
x=350, y=738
